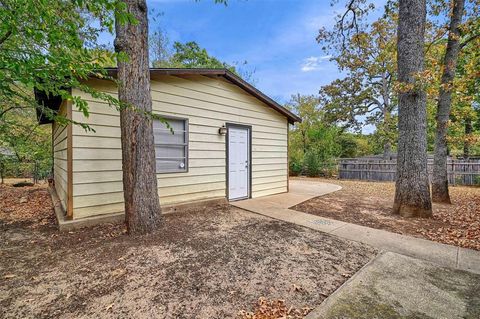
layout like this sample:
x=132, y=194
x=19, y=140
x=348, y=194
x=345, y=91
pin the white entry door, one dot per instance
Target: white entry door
x=238, y=162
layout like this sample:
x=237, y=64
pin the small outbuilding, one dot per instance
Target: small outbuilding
x=230, y=142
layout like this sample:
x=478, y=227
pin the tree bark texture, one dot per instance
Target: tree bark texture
x=440, y=176
x=412, y=192
x=387, y=146
x=142, y=206
x=466, y=142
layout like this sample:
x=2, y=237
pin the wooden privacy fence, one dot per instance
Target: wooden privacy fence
x=460, y=172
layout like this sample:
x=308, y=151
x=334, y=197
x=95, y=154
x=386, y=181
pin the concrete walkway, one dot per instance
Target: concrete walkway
x=397, y=286
x=277, y=206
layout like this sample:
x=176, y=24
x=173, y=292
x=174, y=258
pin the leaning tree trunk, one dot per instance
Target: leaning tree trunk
x=142, y=206
x=440, y=175
x=412, y=193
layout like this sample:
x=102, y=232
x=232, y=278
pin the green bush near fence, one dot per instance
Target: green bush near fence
x=317, y=163
x=37, y=170
x=312, y=163
x=476, y=181
x=295, y=167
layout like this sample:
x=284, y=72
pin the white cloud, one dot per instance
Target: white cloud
x=313, y=63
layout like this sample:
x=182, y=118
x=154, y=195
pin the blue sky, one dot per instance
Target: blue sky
x=276, y=37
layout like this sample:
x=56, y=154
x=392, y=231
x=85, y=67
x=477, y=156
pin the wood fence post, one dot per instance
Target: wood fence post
x=453, y=172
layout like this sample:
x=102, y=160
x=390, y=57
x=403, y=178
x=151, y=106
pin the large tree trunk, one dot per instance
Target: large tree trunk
x=387, y=146
x=440, y=177
x=466, y=142
x=142, y=206
x=412, y=193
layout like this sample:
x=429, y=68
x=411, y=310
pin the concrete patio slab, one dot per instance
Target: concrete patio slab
x=312, y=187
x=277, y=207
x=469, y=259
x=299, y=191
x=396, y=286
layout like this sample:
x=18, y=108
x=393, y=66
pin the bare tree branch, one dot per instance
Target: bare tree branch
x=5, y=36
x=3, y=112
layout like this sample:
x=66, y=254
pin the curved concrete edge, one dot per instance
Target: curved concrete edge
x=318, y=190
x=394, y=285
x=315, y=188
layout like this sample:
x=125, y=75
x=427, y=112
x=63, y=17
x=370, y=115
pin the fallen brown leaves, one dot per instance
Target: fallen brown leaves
x=370, y=204
x=274, y=309
x=30, y=205
x=461, y=219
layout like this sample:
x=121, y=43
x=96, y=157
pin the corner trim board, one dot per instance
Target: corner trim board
x=69, y=163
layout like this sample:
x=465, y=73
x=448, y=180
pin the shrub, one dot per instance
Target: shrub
x=312, y=163
x=295, y=168
x=329, y=168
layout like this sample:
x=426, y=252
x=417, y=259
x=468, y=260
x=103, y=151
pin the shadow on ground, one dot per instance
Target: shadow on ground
x=200, y=264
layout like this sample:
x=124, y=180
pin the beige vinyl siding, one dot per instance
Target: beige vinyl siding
x=59, y=134
x=207, y=104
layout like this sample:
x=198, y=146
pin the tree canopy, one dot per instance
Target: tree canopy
x=52, y=46
x=314, y=143
x=48, y=46
x=366, y=54
x=191, y=55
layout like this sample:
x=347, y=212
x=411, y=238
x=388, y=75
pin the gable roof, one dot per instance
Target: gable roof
x=228, y=75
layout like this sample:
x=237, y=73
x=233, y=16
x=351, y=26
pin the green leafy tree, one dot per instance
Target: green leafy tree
x=458, y=36
x=191, y=55
x=464, y=125
x=315, y=144
x=29, y=142
x=367, y=55
x=21, y=133
x=325, y=149
x=356, y=145
x=307, y=108
x=50, y=46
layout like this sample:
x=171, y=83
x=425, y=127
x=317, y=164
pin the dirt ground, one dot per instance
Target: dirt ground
x=370, y=204
x=208, y=264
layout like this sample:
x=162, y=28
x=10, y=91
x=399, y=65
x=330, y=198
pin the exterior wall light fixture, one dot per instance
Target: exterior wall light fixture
x=222, y=130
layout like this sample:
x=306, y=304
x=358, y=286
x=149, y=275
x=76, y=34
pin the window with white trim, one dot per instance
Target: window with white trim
x=171, y=149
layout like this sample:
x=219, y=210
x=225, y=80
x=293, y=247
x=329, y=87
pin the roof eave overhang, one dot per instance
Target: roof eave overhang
x=53, y=102
x=228, y=75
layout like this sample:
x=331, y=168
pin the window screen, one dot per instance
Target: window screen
x=171, y=150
